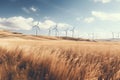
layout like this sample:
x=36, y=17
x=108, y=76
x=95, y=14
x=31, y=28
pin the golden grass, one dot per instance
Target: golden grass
x=87, y=61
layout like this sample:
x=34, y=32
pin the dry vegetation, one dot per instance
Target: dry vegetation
x=88, y=62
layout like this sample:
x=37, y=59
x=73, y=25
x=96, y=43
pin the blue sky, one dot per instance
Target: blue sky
x=101, y=17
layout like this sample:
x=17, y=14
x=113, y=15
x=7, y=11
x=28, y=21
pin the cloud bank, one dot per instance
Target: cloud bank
x=22, y=23
x=89, y=20
x=106, y=1
x=16, y=23
x=103, y=1
x=106, y=16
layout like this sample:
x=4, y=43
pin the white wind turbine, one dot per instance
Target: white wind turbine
x=118, y=34
x=37, y=28
x=56, y=30
x=49, y=31
x=66, y=32
x=113, y=35
x=93, y=36
x=73, y=31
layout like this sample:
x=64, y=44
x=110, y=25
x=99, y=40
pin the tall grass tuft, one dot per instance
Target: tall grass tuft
x=47, y=63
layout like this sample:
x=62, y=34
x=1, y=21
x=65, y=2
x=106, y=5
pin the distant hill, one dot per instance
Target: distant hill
x=109, y=39
x=7, y=34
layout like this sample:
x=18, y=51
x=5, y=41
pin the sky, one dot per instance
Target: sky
x=100, y=18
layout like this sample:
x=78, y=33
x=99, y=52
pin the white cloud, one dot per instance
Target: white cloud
x=47, y=24
x=89, y=19
x=22, y=23
x=106, y=16
x=103, y=1
x=106, y=1
x=64, y=26
x=25, y=10
x=30, y=9
x=51, y=24
x=16, y=23
x=33, y=9
x=78, y=19
x=118, y=0
x=46, y=17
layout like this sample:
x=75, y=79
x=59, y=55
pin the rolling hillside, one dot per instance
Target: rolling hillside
x=14, y=35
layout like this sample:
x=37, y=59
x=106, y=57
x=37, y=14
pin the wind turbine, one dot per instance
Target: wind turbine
x=73, y=30
x=36, y=28
x=56, y=30
x=89, y=35
x=93, y=36
x=66, y=31
x=49, y=31
x=118, y=34
x=113, y=35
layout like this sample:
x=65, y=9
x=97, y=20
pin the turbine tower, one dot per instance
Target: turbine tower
x=66, y=32
x=56, y=30
x=113, y=35
x=118, y=34
x=49, y=31
x=93, y=36
x=89, y=35
x=73, y=30
x=36, y=28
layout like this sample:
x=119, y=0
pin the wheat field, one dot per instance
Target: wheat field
x=59, y=60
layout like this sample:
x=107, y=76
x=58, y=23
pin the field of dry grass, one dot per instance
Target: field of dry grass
x=59, y=60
